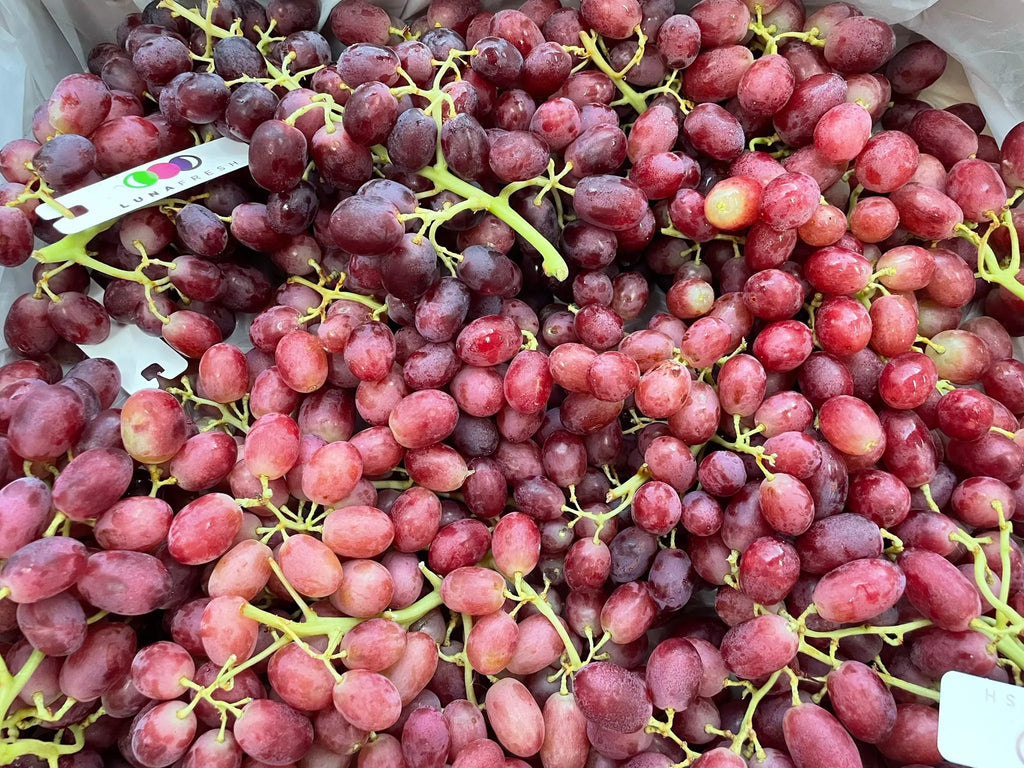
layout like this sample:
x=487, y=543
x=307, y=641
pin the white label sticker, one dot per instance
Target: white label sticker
x=147, y=184
x=981, y=722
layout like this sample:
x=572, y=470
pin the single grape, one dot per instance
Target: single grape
x=808, y=728
x=759, y=646
x=879, y=578
x=277, y=155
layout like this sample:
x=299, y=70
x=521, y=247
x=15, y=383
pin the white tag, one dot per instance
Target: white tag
x=139, y=356
x=981, y=722
x=147, y=184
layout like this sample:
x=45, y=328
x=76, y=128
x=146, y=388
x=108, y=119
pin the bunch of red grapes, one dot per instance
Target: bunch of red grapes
x=465, y=497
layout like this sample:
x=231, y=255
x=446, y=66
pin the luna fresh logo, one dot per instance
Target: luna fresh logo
x=161, y=171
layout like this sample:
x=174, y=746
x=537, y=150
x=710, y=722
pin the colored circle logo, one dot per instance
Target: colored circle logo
x=164, y=170
x=161, y=171
x=140, y=179
x=186, y=162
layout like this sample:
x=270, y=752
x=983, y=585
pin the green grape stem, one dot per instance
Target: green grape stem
x=763, y=141
x=527, y=594
x=1005, y=629
x=890, y=680
x=51, y=751
x=225, y=681
x=231, y=415
x=622, y=492
x=855, y=194
x=12, y=685
x=467, y=668
x=640, y=422
x=195, y=18
x=288, y=522
x=329, y=295
x=981, y=572
x=554, y=264
x=329, y=625
x=742, y=445
x=37, y=189
x=989, y=267
x=771, y=39
x=746, y=730
x=892, y=635
x=664, y=729
x=158, y=481
x=60, y=524
x=670, y=87
x=634, y=99
x=12, y=724
x=72, y=250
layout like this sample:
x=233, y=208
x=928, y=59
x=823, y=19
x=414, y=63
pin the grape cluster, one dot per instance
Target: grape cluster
x=466, y=497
